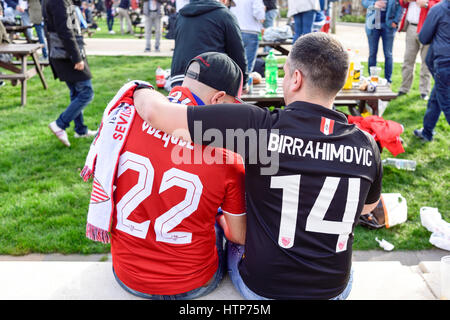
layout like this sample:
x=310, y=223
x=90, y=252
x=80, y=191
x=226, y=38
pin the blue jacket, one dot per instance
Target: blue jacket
x=393, y=14
x=436, y=30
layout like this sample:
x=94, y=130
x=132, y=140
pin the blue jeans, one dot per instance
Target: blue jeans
x=303, y=23
x=268, y=22
x=387, y=36
x=195, y=293
x=251, y=43
x=234, y=255
x=40, y=33
x=109, y=19
x=439, y=99
x=81, y=93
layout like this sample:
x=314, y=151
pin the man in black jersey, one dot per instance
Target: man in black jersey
x=301, y=216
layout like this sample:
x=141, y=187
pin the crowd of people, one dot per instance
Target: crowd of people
x=286, y=202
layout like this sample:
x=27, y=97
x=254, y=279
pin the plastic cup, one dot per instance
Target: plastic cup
x=445, y=278
x=374, y=74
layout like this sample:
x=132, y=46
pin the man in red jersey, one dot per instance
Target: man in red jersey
x=164, y=241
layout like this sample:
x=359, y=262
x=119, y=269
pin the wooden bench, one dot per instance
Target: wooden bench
x=141, y=33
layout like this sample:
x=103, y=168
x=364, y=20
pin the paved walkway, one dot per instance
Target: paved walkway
x=351, y=36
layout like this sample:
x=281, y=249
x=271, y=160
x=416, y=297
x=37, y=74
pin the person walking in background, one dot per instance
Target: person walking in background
x=250, y=15
x=122, y=10
x=70, y=66
x=109, y=16
x=35, y=12
x=436, y=32
x=304, y=13
x=204, y=26
x=412, y=21
x=382, y=19
x=153, y=11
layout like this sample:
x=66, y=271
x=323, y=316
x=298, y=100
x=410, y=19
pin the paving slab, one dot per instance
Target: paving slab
x=431, y=273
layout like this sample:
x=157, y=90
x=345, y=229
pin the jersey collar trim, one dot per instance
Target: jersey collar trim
x=317, y=110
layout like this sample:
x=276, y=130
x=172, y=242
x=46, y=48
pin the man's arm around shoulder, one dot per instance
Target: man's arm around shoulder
x=155, y=109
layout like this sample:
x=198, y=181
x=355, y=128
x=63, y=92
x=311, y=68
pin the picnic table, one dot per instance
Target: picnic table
x=21, y=52
x=277, y=45
x=355, y=99
x=11, y=30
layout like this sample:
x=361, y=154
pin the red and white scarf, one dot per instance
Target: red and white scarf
x=102, y=161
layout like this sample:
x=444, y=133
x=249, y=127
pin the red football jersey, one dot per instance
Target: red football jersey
x=167, y=195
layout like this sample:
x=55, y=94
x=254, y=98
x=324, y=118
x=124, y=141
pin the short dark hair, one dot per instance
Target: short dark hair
x=322, y=60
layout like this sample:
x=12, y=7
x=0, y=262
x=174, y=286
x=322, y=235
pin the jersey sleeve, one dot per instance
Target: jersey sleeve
x=234, y=199
x=230, y=121
x=375, y=189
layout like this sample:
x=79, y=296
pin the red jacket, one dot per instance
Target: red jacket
x=385, y=132
x=423, y=14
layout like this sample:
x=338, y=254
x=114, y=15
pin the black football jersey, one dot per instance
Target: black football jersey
x=308, y=175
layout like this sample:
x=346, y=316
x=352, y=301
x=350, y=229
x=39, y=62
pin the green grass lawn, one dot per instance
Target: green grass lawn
x=44, y=202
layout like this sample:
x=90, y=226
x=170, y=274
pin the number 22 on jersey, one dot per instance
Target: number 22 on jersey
x=143, y=189
x=315, y=221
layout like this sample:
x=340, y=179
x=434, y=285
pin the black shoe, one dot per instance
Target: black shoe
x=401, y=93
x=424, y=96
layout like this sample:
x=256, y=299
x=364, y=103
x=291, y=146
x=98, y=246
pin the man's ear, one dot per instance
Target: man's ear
x=218, y=97
x=297, y=80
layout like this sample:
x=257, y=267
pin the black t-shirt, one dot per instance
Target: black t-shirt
x=308, y=175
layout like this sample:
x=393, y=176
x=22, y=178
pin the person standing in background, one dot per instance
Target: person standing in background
x=122, y=9
x=382, y=19
x=35, y=12
x=412, y=21
x=250, y=15
x=19, y=8
x=109, y=16
x=271, y=15
x=152, y=11
x=204, y=26
x=304, y=14
x=436, y=32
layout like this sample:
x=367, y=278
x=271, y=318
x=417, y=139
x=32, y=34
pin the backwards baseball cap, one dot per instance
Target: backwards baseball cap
x=218, y=71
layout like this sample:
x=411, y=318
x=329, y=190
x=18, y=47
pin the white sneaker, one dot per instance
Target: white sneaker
x=59, y=133
x=112, y=32
x=89, y=133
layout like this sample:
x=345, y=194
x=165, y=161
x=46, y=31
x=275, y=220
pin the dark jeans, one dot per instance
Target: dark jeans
x=303, y=23
x=439, y=99
x=81, y=93
x=194, y=293
x=109, y=19
x=387, y=36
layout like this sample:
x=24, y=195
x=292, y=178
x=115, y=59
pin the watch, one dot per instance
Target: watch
x=143, y=86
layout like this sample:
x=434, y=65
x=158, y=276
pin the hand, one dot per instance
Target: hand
x=380, y=4
x=79, y=66
x=394, y=25
x=20, y=9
